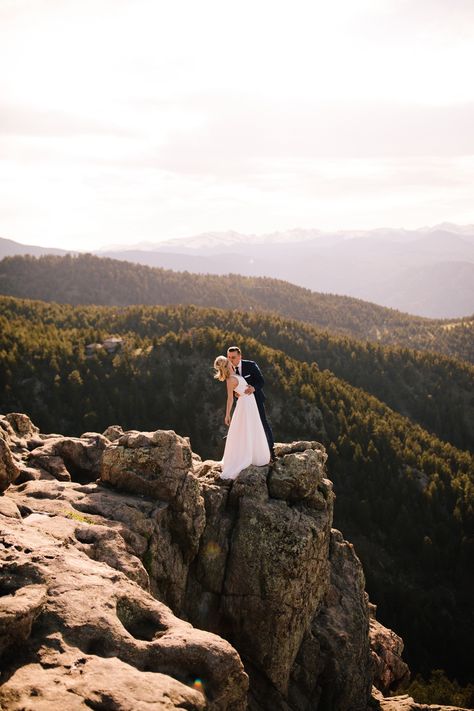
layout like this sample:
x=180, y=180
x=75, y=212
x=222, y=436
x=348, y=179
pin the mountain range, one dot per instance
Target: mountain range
x=427, y=272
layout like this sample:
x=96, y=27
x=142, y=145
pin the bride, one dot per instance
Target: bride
x=246, y=441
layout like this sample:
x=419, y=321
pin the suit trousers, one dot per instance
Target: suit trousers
x=265, y=423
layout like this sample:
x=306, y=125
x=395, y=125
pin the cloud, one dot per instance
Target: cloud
x=20, y=120
x=241, y=132
x=152, y=119
x=435, y=20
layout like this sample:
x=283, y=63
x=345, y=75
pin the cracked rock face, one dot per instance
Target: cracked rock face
x=404, y=702
x=333, y=664
x=69, y=458
x=160, y=583
x=9, y=471
x=390, y=671
x=250, y=560
x=38, y=456
x=158, y=465
x=262, y=567
x=9, y=468
x=92, y=638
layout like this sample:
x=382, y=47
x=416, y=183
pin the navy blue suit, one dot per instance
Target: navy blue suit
x=252, y=374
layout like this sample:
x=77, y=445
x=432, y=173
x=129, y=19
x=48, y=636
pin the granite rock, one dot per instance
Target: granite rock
x=128, y=557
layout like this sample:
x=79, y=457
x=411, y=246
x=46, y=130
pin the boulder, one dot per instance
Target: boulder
x=113, y=432
x=159, y=465
x=70, y=458
x=151, y=463
x=79, y=682
x=105, y=564
x=404, y=702
x=22, y=425
x=21, y=605
x=9, y=508
x=390, y=671
x=92, y=638
x=7, y=433
x=298, y=476
x=9, y=469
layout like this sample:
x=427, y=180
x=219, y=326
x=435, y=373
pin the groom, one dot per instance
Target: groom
x=251, y=372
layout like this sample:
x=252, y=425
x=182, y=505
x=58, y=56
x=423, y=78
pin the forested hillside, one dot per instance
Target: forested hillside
x=86, y=279
x=404, y=497
x=433, y=390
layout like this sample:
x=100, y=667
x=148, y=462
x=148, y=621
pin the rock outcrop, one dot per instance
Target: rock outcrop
x=77, y=634
x=390, y=671
x=135, y=576
x=333, y=665
x=9, y=469
x=404, y=702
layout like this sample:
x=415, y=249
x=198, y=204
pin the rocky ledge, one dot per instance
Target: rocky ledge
x=133, y=577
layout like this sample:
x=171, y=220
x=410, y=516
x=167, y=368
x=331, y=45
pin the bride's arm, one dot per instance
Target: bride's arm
x=230, y=399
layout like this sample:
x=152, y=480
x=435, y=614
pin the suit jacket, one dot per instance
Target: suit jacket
x=252, y=374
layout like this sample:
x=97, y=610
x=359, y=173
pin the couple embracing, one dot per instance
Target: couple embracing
x=249, y=439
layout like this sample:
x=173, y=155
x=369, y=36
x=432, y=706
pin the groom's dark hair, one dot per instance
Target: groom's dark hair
x=234, y=349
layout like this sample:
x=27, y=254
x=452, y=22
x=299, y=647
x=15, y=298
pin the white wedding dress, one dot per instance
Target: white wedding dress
x=246, y=441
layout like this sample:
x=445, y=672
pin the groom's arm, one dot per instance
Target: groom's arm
x=256, y=377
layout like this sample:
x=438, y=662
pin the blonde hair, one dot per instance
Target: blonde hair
x=222, y=366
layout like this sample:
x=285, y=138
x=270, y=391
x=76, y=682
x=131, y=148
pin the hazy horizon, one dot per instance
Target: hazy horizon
x=127, y=121
x=260, y=235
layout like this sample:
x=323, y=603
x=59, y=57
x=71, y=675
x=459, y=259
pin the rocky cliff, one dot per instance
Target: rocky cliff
x=133, y=577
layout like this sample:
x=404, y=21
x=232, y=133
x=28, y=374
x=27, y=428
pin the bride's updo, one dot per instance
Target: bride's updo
x=222, y=366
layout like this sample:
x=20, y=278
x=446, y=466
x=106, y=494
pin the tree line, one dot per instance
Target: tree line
x=88, y=279
x=433, y=390
x=404, y=497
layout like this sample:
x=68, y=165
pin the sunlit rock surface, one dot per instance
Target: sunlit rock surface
x=134, y=577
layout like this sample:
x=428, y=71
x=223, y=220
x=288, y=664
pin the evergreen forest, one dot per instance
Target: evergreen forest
x=88, y=279
x=396, y=423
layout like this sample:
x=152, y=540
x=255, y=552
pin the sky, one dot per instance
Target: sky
x=130, y=120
